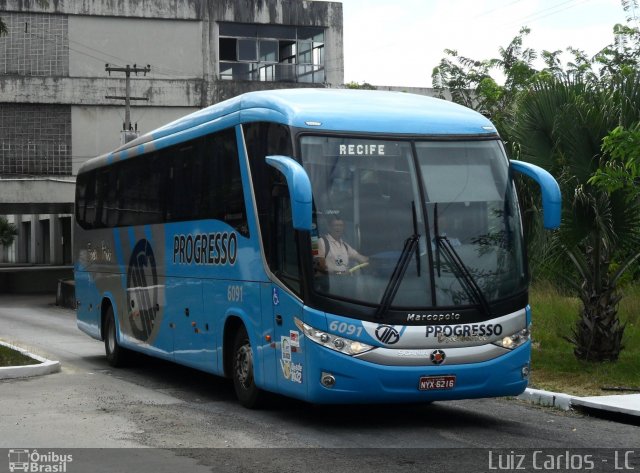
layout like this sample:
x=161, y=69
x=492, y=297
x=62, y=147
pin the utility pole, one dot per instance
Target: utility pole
x=128, y=133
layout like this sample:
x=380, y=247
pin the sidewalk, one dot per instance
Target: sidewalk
x=627, y=404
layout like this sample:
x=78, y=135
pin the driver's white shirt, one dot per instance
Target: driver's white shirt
x=339, y=254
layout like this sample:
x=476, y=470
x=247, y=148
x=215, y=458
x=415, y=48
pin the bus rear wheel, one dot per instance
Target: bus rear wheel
x=115, y=353
x=248, y=393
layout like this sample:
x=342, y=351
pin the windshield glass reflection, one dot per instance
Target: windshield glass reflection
x=365, y=192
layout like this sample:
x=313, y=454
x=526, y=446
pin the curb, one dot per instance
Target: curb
x=547, y=398
x=44, y=367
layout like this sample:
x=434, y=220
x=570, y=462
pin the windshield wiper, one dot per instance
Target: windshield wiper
x=469, y=284
x=410, y=246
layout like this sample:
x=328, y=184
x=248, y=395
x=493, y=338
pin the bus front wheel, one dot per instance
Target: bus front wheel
x=244, y=384
x=115, y=353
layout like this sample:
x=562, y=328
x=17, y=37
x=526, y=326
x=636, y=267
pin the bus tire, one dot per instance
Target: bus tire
x=116, y=355
x=248, y=393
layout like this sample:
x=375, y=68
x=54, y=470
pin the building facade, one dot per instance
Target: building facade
x=63, y=69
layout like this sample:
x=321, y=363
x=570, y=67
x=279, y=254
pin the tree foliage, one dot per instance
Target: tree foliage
x=363, y=86
x=622, y=168
x=580, y=121
x=8, y=232
x=560, y=125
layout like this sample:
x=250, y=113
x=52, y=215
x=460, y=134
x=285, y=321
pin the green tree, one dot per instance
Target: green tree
x=623, y=55
x=622, y=168
x=560, y=125
x=470, y=82
x=363, y=86
x=558, y=117
x=8, y=232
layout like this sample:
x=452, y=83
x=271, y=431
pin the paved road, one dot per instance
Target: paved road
x=184, y=413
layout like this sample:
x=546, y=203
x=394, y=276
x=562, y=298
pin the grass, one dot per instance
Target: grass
x=554, y=366
x=9, y=357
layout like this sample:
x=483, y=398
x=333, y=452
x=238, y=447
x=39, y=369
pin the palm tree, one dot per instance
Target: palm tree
x=560, y=125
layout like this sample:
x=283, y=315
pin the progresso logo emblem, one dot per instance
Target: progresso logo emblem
x=387, y=334
x=142, y=290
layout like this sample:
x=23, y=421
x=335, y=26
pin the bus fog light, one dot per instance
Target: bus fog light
x=525, y=372
x=327, y=380
x=328, y=340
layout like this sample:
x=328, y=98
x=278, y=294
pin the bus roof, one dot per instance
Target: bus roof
x=345, y=110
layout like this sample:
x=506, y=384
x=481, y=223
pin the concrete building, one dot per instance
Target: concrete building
x=61, y=60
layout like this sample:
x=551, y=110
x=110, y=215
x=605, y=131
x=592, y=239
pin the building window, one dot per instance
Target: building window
x=271, y=53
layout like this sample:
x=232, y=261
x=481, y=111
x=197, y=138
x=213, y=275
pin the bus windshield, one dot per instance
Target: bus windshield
x=451, y=204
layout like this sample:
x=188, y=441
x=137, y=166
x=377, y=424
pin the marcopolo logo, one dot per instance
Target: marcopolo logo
x=387, y=334
x=22, y=459
x=142, y=290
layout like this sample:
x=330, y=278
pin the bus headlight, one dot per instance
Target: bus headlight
x=514, y=340
x=333, y=342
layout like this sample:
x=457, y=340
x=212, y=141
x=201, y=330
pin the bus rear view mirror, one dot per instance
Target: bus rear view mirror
x=551, y=197
x=299, y=189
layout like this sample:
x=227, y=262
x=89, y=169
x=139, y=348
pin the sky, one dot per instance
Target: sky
x=399, y=42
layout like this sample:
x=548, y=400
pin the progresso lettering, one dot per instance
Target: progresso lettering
x=206, y=248
x=474, y=330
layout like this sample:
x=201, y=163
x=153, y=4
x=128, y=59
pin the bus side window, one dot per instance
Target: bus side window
x=81, y=202
x=184, y=184
x=274, y=211
x=140, y=199
x=90, y=201
x=222, y=194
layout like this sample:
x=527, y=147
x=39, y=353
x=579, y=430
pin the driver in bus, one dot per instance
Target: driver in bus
x=335, y=254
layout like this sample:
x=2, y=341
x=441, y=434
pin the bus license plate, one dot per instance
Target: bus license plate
x=430, y=383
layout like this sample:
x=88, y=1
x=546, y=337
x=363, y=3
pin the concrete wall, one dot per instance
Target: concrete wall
x=173, y=47
x=92, y=91
x=95, y=130
x=36, y=195
x=178, y=9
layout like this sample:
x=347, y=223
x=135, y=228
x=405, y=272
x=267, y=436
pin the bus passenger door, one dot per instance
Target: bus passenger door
x=286, y=305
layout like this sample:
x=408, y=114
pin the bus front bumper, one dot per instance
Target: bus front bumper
x=355, y=381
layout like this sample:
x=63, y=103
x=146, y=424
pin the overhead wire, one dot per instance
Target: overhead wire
x=533, y=17
x=498, y=8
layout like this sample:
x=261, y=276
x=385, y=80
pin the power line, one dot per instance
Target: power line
x=540, y=15
x=498, y=8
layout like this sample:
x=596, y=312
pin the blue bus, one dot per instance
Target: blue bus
x=335, y=246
